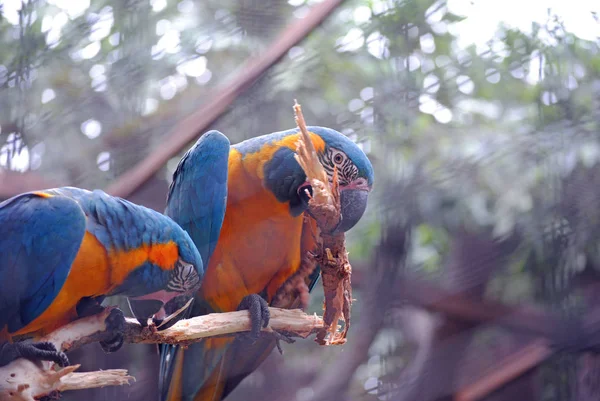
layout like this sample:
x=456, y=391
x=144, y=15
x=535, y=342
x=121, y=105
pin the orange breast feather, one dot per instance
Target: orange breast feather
x=96, y=272
x=80, y=283
x=259, y=244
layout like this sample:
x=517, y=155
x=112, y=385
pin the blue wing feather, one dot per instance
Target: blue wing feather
x=198, y=194
x=196, y=201
x=39, y=239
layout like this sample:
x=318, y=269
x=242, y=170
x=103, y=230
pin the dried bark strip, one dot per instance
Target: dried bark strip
x=23, y=380
x=325, y=208
x=336, y=273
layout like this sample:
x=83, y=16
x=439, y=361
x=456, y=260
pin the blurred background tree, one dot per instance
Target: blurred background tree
x=481, y=119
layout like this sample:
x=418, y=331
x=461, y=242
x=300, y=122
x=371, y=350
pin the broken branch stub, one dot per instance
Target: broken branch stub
x=24, y=380
x=324, y=206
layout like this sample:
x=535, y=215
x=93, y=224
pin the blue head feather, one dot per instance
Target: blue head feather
x=337, y=140
x=332, y=138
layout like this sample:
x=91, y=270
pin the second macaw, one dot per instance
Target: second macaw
x=264, y=234
x=62, y=251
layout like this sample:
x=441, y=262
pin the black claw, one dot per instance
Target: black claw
x=266, y=315
x=115, y=323
x=279, y=337
x=259, y=314
x=44, y=351
x=279, y=348
x=113, y=344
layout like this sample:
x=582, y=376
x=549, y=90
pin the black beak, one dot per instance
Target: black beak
x=163, y=315
x=144, y=309
x=176, y=309
x=168, y=305
x=354, y=204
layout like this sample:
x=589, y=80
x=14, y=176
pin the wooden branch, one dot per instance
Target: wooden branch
x=222, y=97
x=23, y=380
x=103, y=378
x=293, y=322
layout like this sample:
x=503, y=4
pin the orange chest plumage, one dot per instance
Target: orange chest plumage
x=260, y=243
x=80, y=283
x=95, y=272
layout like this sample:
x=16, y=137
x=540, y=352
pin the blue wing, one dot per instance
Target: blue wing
x=196, y=201
x=39, y=239
x=198, y=194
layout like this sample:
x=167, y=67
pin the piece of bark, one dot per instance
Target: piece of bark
x=324, y=206
x=336, y=274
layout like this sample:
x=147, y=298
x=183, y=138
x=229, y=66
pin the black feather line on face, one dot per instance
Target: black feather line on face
x=347, y=171
x=183, y=278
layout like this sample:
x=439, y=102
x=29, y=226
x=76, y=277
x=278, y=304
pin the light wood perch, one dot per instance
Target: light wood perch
x=23, y=380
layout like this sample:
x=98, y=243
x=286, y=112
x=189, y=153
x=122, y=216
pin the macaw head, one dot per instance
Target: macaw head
x=355, y=173
x=286, y=180
x=173, y=287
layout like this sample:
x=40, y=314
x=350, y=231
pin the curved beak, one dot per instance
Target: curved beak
x=167, y=306
x=163, y=314
x=354, y=203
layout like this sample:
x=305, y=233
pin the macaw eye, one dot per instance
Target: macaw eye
x=338, y=158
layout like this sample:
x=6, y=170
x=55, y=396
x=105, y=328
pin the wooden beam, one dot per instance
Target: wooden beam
x=524, y=319
x=459, y=305
x=221, y=98
x=506, y=370
x=545, y=325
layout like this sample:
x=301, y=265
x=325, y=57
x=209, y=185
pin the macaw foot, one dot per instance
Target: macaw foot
x=42, y=351
x=259, y=315
x=115, y=323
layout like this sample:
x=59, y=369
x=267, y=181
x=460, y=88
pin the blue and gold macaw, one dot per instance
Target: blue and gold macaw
x=260, y=245
x=62, y=251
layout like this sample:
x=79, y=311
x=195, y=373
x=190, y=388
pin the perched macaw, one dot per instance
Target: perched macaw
x=262, y=239
x=63, y=250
